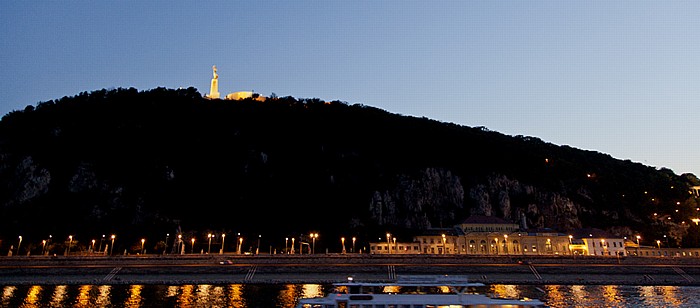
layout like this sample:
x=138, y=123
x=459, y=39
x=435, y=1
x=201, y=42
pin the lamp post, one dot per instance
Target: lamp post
x=93, y=246
x=286, y=244
x=70, y=242
x=638, y=237
x=505, y=240
x=496, y=242
x=165, y=250
x=209, y=249
x=257, y=249
x=444, y=242
x=314, y=236
x=342, y=241
x=19, y=244
x=223, y=238
x=43, y=247
x=193, y=245
x=101, y=240
x=111, y=248
x=658, y=243
x=388, y=241
x=353, y=245
x=602, y=243
x=179, y=244
x=570, y=242
x=240, y=244
x=394, y=239
x=292, y=251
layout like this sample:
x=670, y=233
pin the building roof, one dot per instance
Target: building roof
x=441, y=231
x=592, y=233
x=486, y=220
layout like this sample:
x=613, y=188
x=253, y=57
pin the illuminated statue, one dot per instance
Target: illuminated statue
x=214, y=91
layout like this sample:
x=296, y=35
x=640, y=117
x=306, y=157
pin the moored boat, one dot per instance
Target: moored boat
x=418, y=291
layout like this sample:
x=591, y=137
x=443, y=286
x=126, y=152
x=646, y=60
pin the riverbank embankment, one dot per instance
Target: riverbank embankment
x=322, y=268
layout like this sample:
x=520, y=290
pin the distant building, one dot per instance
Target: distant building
x=488, y=235
x=596, y=242
x=243, y=95
x=695, y=190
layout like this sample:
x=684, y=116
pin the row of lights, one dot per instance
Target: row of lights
x=210, y=236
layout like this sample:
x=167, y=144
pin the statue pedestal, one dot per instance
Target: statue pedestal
x=214, y=91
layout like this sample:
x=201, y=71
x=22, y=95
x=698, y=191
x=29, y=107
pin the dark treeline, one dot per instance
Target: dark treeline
x=143, y=163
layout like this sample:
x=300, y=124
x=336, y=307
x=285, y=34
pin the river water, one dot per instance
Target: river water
x=286, y=295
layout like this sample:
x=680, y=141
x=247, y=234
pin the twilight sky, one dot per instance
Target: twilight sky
x=618, y=77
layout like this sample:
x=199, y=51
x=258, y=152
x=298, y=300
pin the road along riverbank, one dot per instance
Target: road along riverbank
x=227, y=269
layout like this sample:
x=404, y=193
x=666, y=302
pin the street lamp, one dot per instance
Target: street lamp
x=19, y=244
x=658, y=243
x=394, y=239
x=444, y=240
x=292, y=251
x=505, y=241
x=353, y=244
x=93, y=246
x=165, y=250
x=193, y=245
x=257, y=249
x=180, y=244
x=70, y=242
x=314, y=236
x=43, y=247
x=143, y=240
x=342, y=241
x=223, y=238
x=240, y=243
x=388, y=241
x=111, y=248
x=101, y=240
x=209, y=249
x=638, y=237
x=570, y=238
x=286, y=242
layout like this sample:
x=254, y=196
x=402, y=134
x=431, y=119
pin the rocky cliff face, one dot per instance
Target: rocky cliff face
x=436, y=197
x=509, y=198
x=29, y=181
x=417, y=200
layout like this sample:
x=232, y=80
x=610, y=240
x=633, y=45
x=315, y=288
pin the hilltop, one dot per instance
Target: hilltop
x=143, y=163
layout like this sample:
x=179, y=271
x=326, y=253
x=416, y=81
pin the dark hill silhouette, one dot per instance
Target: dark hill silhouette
x=142, y=163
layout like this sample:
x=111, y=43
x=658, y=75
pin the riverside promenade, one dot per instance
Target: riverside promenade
x=323, y=268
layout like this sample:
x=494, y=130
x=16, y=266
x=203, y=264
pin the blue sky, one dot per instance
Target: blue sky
x=618, y=77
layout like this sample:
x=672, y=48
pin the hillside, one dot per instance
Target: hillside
x=142, y=163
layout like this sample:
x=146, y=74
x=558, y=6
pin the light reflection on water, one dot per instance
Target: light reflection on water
x=287, y=295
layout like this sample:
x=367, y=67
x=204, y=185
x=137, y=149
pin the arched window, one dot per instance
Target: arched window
x=472, y=246
x=516, y=247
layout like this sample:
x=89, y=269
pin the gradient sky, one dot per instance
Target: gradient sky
x=618, y=77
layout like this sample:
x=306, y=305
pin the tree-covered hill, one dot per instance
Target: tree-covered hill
x=143, y=163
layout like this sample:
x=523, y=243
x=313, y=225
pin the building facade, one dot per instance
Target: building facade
x=487, y=235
